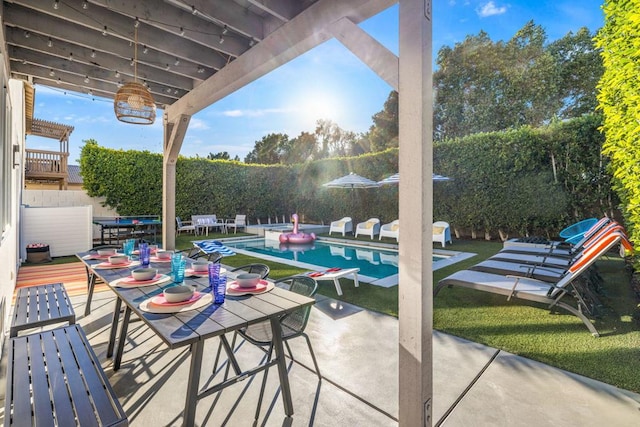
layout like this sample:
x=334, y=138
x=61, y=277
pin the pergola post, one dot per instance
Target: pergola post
x=416, y=215
x=173, y=137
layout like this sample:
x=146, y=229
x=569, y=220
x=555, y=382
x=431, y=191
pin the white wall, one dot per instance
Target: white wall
x=55, y=198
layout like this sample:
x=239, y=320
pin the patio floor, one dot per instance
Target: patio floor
x=358, y=357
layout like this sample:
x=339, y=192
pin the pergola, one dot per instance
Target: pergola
x=192, y=53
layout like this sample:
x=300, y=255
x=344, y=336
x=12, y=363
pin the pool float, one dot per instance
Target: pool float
x=296, y=238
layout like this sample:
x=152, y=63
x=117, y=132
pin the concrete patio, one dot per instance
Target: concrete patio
x=358, y=358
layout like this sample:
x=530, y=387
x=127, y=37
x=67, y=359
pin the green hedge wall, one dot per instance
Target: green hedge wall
x=520, y=182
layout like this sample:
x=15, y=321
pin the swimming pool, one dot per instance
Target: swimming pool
x=377, y=265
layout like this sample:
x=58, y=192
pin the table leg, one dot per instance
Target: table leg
x=90, y=285
x=336, y=282
x=276, y=330
x=114, y=327
x=193, y=384
x=355, y=279
x=122, y=338
x=102, y=234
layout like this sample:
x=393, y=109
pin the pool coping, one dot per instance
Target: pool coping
x=453, y=257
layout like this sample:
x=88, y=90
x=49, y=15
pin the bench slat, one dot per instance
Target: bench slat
x=57, y=381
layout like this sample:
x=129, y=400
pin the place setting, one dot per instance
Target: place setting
x=116, y=261
x=176, y=299
x=248, y=284
x=141, y=277
x=102, y=254
x=200, y=268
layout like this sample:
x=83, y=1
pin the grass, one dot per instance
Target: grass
x=555, y=338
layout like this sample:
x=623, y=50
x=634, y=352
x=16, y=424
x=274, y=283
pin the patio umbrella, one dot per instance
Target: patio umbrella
x=395, y=179
x=352, y=181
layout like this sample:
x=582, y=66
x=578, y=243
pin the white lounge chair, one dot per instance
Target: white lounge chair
x=391, y=230
x=185, y=226
x=344, y=225
x=370, y=227
x=239, y=222
x=442, y=232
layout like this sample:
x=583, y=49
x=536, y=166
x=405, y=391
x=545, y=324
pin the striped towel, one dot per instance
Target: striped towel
x=210, y=246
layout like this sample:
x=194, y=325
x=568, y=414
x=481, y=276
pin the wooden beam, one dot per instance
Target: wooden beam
x=174, y=133
x=415, y=291
x=370, y=51
x=306, y=31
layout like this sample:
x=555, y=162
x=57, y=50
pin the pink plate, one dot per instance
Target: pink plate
x=108, y=264
x=131, y=281
x=192, y=272
x=160, y=300
x=235, y=287
x=156, y=259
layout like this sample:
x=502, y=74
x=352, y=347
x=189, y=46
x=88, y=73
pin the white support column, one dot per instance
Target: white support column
x=416, y=215
x=173, y=137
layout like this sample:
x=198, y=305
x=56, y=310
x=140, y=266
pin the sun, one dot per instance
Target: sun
x=315, y=106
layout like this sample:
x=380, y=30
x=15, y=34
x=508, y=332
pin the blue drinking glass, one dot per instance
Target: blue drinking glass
x=145, y=254
x=178, y=265
x=218, y=283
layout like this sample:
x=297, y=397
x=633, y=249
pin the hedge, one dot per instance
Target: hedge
x=519, y=182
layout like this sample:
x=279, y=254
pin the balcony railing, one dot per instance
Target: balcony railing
x=46, y=165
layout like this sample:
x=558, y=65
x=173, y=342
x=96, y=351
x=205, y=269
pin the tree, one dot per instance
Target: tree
x=223, y=155
x=270, y=150
x=578, y=70
x=332, y=140
x=383, y=133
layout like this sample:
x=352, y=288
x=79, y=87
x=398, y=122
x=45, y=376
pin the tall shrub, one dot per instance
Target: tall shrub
x=619, y=99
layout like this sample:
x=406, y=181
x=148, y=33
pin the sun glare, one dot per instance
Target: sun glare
x=315, y=106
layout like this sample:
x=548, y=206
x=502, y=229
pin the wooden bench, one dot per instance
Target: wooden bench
x=39, y=306
x=55, y=378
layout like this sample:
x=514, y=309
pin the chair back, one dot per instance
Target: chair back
x=261, y=269
x=214, y=257
x=297, y=320
x=179, y=221
x=587, y=258
x=240, y=220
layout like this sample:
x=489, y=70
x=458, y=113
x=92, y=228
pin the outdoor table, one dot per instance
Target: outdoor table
x=192, y=328
x=127, y=223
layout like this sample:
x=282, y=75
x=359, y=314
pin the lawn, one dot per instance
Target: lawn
x=556, y=338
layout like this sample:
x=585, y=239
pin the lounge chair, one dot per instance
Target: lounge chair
x=442, y=232
x=550, y=273
x=240, y=221
x=563, y=249
x=370, y=227
x=530, y=289
x=344, y=225
x=391, y=230
x=187, y=226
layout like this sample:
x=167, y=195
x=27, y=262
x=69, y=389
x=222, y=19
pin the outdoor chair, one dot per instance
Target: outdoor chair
x=240, y=221
x=293, y=325
x=370, y=227
x=442, y=232
x=367, y=255
x=526, y=288
x=553, y=260
x=261, y=269
x=184, y=226
x=344, y=225
x=564, y=249
x=391, y=230
x=340, y=251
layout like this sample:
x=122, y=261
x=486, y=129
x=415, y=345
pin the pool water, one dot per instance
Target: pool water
x=373, y=262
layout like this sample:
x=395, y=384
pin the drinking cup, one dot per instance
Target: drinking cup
x=128, y=246
x=178, y=265
x=145, y=254
x=218, y=283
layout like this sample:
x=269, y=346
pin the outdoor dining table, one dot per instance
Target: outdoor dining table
x=192, y=328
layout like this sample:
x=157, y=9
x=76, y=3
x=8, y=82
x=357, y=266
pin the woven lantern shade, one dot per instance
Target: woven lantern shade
x=133, y=102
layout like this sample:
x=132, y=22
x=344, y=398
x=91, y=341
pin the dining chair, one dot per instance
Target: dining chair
x=293, y=325
x=261, y=269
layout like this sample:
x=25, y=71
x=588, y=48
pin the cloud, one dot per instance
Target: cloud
x=490, y=9
x=198, y=124
x=254, y=113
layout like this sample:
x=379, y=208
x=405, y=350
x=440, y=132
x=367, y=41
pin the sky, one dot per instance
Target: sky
x=328, y=82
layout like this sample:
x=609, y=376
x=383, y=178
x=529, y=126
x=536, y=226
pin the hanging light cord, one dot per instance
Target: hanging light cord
x=135, y=54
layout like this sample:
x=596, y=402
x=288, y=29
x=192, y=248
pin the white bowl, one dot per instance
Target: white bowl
x=178, y=293
x=144, y=273
x=248, y=280
x=118, y=259
x=200, y=266
x=104, y=252
x=163, y=254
